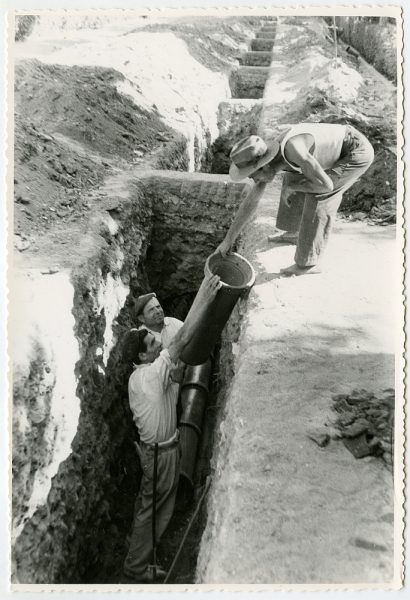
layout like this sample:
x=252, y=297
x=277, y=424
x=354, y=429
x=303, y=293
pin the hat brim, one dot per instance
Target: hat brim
x=239, y=173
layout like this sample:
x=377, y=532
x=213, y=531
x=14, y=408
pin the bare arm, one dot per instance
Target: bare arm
x=243, y=216
x=206, y=293
x=316, y=179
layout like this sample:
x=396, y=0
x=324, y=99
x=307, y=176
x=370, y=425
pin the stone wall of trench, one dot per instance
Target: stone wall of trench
x=62, y=509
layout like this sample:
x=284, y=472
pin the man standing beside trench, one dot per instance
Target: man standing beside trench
x=153, y=396
x=322, y=161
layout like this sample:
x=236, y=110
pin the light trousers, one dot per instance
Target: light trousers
x=140, y=550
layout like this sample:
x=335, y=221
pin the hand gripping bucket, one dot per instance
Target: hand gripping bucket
x=237, y=277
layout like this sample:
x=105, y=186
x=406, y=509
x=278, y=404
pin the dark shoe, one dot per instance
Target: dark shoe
x=147, y=576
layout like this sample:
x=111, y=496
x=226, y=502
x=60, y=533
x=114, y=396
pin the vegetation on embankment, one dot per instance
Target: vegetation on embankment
x=375, y=39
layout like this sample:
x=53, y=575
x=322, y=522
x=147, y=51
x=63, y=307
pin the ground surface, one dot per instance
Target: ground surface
x=284, y=509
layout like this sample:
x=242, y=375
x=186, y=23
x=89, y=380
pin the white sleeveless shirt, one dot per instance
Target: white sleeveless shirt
x=328, y=140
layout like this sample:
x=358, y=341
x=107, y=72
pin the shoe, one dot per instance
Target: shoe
x=147, y=576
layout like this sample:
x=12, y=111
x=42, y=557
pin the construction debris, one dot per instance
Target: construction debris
x=366, y=422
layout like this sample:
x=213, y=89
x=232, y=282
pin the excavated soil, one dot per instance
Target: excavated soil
x=72, y=129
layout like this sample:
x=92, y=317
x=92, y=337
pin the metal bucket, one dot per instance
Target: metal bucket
x=237, y=277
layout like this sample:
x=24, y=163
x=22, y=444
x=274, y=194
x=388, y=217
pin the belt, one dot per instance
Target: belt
x=172, y=441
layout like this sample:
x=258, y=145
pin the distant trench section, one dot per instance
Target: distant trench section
x=249, y=82
x=241, y=116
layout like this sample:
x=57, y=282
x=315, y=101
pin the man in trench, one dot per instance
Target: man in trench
x=321, y=161
x=150, y=315
x=153, y=396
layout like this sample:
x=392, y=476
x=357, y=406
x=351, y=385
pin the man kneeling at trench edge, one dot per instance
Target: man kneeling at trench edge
x=153, y=398
x=321, y=161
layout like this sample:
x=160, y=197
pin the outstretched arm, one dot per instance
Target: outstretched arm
x=206, y=293
x=243, y=216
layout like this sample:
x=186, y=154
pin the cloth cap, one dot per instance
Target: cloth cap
x=141, y=301
x=250, y=154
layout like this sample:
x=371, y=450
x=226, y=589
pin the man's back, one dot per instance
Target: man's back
x=328, y=140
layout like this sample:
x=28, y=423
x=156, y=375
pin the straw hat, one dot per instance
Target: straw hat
x=250, y=154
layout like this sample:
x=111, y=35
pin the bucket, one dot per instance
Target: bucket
x=237, y=277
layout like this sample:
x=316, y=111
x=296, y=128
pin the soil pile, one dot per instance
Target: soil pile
x=83, y=103
x=72, y=126
x=215, y=43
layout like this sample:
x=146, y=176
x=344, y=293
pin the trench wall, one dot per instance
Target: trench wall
x=249, y=81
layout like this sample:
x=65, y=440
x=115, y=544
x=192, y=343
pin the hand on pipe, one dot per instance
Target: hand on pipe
x=209, y=287
x=176, y=372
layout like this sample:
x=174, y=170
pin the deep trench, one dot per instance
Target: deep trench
x=105, y=565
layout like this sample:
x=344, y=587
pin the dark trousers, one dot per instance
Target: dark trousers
x=140, y=550
x=313, y=214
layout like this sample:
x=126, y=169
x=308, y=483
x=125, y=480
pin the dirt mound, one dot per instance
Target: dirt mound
x=49, y=178
x=84, y=104
x=24, y=26
x=216, y=44
x=71, y=127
